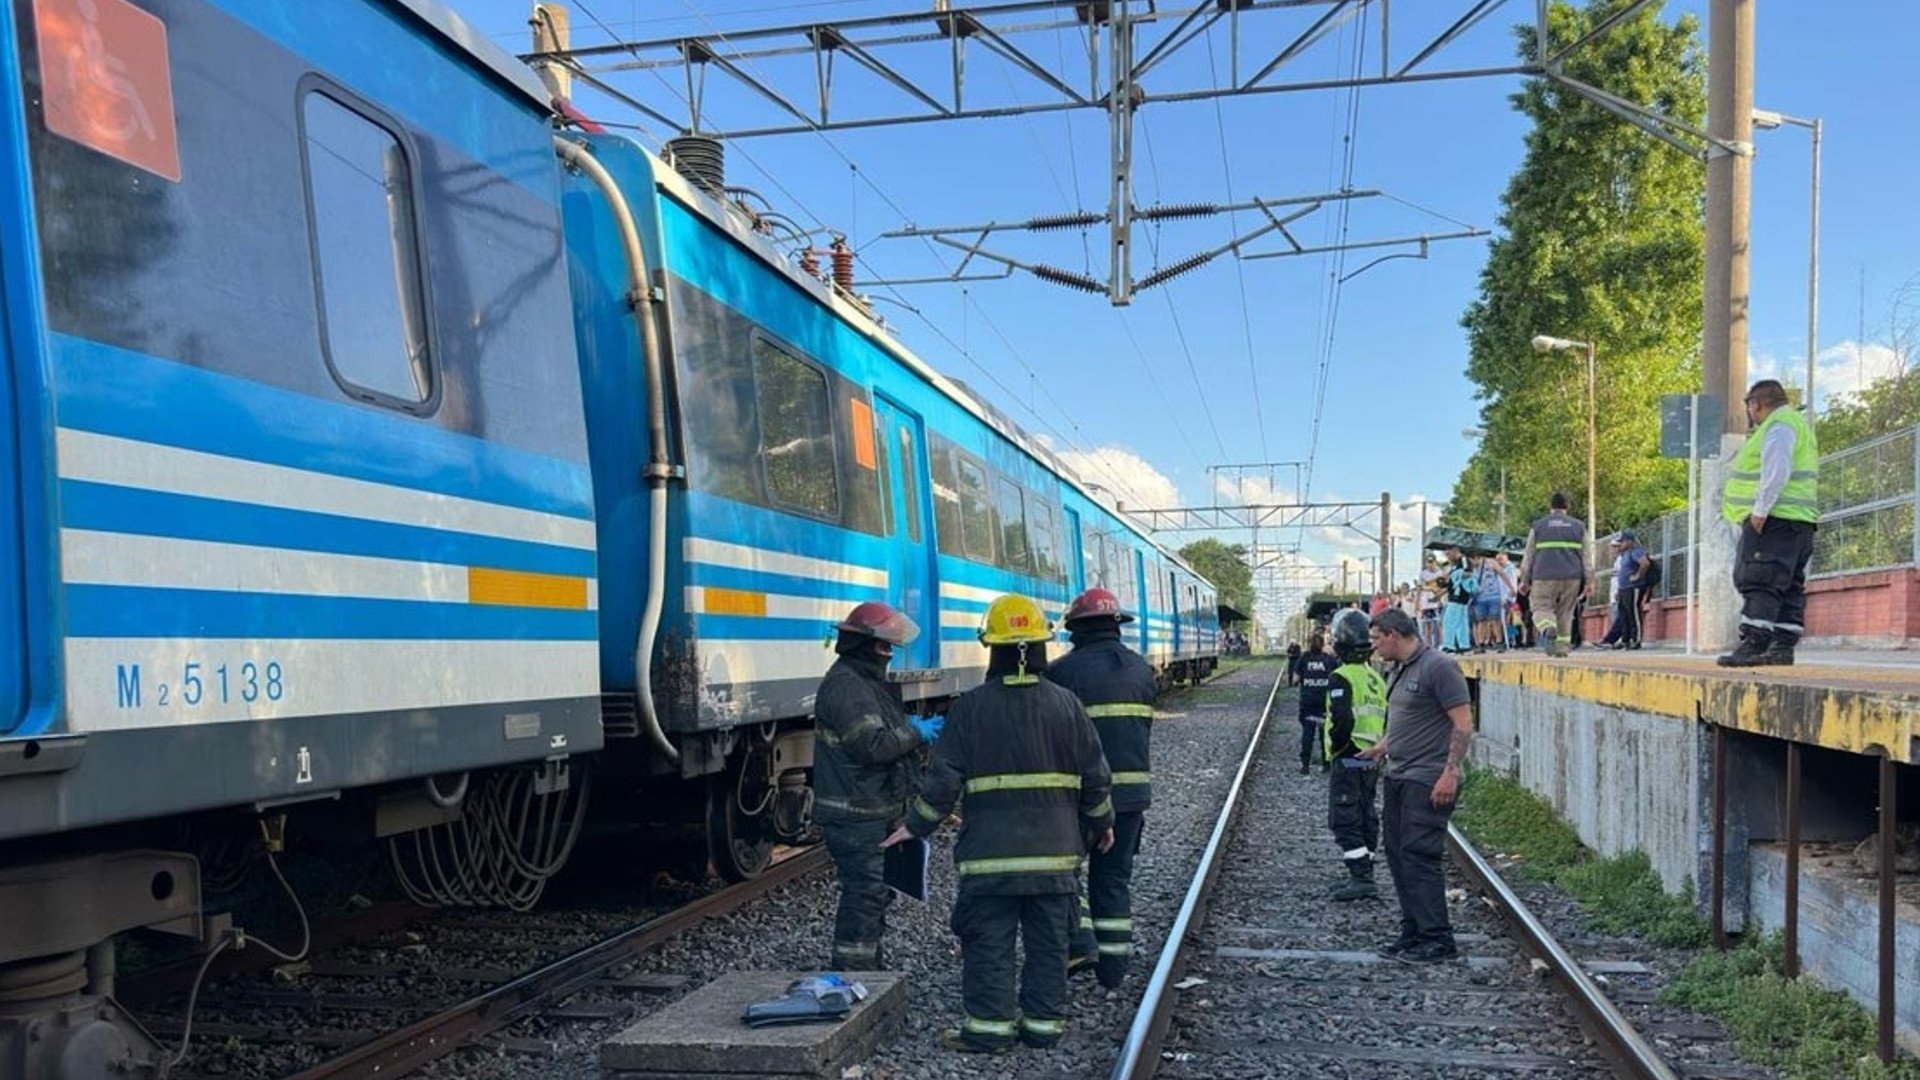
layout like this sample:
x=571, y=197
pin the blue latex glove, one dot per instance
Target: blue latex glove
x=928, y=727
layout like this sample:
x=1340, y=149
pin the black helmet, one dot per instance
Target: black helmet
x=1350, y=637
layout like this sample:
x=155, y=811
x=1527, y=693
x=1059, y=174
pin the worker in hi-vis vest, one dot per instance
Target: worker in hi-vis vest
x=1772, y=496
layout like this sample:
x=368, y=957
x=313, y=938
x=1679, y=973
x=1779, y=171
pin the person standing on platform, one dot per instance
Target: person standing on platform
x=1772, y=496
x=1315, y=674
x=1357, y=719
x=1117, y=688
x=864, y=771
x=1429, y=729
x=1431, y=588
x=1553, y=573
x=1026, y=757
x=1454, y=619
x=1630, y=569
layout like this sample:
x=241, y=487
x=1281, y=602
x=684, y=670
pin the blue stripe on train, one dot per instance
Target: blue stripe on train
x=116, y=611
x=107, y=508
x=731, y=577
x=113, y=391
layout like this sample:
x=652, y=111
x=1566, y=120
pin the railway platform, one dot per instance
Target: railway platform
x=1769, y=791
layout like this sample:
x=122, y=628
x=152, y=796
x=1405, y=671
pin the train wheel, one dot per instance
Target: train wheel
x=737, y=838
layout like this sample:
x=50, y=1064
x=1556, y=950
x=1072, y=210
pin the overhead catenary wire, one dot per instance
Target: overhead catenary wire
x=1330, y=321
x=1239, y=267
x=867, y=180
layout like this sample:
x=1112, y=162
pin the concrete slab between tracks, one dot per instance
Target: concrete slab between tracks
x=701, y=1037
x=1622, y=746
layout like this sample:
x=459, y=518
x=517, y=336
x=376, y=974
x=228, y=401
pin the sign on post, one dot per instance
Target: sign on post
x=1679, y=426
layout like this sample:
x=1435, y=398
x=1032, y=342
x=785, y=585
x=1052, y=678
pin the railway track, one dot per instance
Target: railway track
x=1263, y=975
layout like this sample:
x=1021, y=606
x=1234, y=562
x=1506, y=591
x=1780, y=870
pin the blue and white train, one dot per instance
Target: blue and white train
x=376, y=447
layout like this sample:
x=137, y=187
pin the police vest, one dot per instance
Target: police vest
x=1798, y=501
x=1369, y=707
x=1558, y=540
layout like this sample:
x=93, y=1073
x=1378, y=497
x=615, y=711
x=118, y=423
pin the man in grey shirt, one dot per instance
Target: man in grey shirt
x=1429, y=727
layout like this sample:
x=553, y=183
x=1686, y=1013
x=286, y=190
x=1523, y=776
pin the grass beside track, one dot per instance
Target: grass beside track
x=1799, y=1028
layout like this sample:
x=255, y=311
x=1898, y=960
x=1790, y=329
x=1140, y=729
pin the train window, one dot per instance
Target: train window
x=910, y=482
x=1093, y=556
x=1043, y=537
x=885, y=471
x=946, y=500
x=796, y=432
x=976, y=508
x=1013, y=526
x=366, y=245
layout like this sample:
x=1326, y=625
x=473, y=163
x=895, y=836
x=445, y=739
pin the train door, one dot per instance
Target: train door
x=910, y=572
x=19, y=308
x=13, y=628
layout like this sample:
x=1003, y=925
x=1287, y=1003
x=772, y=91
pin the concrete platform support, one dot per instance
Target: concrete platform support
x=1624, y=780
x=700, y=1037
x=1838, y=934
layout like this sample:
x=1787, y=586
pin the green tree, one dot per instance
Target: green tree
x=1226, y=566
x=1600, y=241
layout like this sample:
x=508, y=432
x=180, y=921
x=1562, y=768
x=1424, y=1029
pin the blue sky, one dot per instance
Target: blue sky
x=1153, y=398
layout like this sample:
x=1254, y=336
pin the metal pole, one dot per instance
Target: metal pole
x=1889, y=797
x=1719, y=851
x=1593, y=508
x=1120, y=201
x=1503, y=501
x=1693, y=524
x=1723, y=353
x=1813, y=272
x=1385, y=565
x=1791, y=963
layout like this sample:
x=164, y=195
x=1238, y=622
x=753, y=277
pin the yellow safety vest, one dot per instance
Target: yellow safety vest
x=1799, y=499
x=1369, y=707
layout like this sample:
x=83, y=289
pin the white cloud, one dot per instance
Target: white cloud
x=1239, y=489
x=1841, y=370
x=1130, y=478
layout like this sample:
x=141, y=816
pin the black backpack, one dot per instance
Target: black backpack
x=1652, y=576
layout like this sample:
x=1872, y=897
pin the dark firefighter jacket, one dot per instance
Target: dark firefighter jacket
x=1117, y=688
x=863, y=763
x=1027, y=759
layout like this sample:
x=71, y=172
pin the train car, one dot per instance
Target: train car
x=802, y=460
x=297, y=499
x=371, y=455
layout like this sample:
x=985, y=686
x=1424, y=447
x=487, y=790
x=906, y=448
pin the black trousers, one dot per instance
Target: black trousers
x=864, y=896
x=1310, y=745
x=1416, y=834
x=988, y=927
x=1110, y=887
x=1770, y=571
x=1352, y=814
x=1626, y=615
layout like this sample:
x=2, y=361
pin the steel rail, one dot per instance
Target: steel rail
x=1140, y=1054
x=435, y=1037
x=1633, y=1058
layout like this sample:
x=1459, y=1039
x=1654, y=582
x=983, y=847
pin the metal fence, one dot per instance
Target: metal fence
x=1869, y=499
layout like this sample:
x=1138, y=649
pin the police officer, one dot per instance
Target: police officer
x=1772, y=496
x=1025, y=755
x=864, y=770
x=1313, y=673
x=1357, y=708
x=1117, y=688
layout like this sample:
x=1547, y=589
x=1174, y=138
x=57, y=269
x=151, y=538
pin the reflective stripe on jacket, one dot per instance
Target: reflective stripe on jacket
x=1027, y=761
x=1799, y=500
x=1117, y=688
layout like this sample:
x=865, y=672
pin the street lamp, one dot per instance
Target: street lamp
x=1769, y=120
x=1543, y=343
x=1422, y=504
x=1481, y=433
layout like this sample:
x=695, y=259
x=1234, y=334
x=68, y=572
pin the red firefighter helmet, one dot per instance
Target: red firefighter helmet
x=882, y=621
x=1097, y=603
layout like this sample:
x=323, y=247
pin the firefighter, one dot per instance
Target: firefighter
x=1357, y=718
x=1117, y=688
x=864, y=770
x=1026, y=757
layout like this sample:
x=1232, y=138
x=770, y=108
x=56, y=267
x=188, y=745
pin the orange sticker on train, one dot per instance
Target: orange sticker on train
x=863, y=451
x=106, y=80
